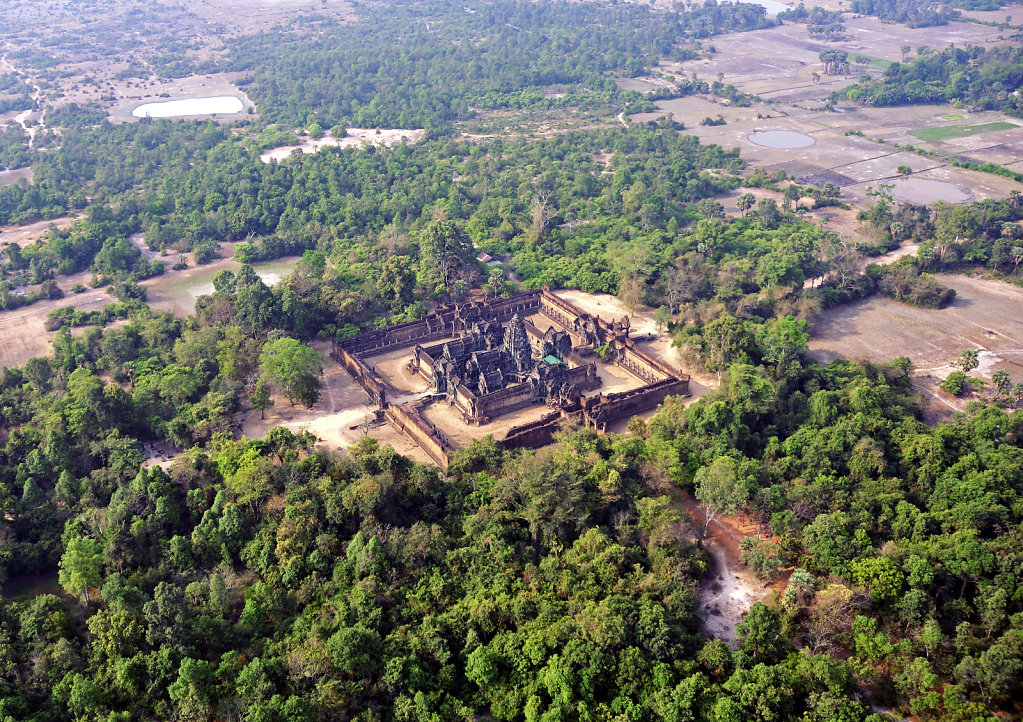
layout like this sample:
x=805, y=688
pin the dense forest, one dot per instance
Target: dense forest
x=269, y=579
x=263, y=580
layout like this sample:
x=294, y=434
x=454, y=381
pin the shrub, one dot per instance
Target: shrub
x=953, y=383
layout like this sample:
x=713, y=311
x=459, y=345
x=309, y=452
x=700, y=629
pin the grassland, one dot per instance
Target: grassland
x=961, y=131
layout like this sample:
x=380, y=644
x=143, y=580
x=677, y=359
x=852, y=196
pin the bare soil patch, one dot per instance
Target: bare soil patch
x=342, y=405
x=10, y=177
x=23, y=329
x=779, y=63
x=985, y=316
x=29, y=233
x=24, y=333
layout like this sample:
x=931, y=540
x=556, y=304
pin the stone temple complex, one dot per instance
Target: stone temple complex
x=486, y=359
x=494, y=369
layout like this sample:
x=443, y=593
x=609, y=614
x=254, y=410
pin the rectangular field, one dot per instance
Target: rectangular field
x=961, y=131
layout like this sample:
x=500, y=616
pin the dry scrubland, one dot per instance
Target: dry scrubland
x=141, y=31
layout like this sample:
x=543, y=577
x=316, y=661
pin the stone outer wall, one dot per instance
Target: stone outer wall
x=365, y=376
x=600, y=411
x=409, y=419
x=447, y=321
x=534, y=434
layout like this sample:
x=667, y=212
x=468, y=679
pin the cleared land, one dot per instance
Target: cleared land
x=786, y=73
x=10, y=177
x=342, y=405
x=29, y=233
x=355, y=138
x=846, y=150
x=778, y=63
x=985, y=316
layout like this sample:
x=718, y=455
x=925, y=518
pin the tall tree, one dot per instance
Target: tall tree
x=81, y=566
x=293, y=368
x=720, y=489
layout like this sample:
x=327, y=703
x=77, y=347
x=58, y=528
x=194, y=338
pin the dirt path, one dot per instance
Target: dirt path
x=22, y=117
x=730, y=589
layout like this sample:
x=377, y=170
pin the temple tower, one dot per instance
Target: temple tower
x=516, y=345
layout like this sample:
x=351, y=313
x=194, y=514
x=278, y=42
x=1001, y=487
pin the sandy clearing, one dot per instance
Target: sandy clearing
x=355, y=138
x=29, y=233
x=342, y=405
x=10, y=177
x=23, y=330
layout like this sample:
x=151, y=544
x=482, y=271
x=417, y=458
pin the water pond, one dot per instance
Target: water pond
x=201, y=284
x=781, y=139
x=191, y=107
x=177, y=291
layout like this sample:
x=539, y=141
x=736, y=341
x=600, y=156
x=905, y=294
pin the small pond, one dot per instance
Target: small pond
x=25, y=587
x=773, y=7
x=781, y=139
x=216, y=105
x=201, y=284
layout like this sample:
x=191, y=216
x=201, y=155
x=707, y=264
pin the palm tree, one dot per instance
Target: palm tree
x=968, y=360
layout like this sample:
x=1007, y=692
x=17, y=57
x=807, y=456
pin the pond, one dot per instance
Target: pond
x=773, y=7
x=186, y=107
x=781, y=139
x=201, y=284
x=923, y=191
x=177, y=291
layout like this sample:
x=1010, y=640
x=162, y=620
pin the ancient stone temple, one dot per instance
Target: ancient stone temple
x=487, y=358
x=495, y=369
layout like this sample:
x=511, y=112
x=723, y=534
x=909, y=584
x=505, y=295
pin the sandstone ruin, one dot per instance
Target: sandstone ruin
x=485, y=359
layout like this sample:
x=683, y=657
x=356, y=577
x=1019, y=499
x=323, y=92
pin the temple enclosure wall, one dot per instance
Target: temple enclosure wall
x=443, y=323
x=409, y=419
x=601, y=410
x=365, y=376
x=588, y=334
